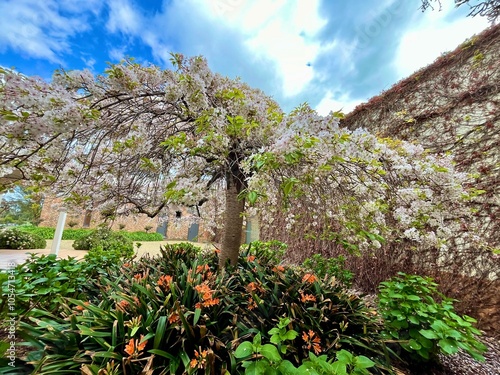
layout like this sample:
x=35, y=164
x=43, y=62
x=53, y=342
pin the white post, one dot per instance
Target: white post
x=59, y=231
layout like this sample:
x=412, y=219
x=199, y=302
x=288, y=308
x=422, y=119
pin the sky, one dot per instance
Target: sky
x=332, y=54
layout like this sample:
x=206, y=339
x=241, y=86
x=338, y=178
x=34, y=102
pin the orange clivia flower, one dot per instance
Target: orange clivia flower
x=312, y=341
x=309, y=278
x=251, y=258
x=123, y=305
x=81, y=308
x=173, y=318
x=135, y=347
x=165, y=281
x=130, y=347
x=206, y=295
x=202, y=268
x=138, y=276
x=307, y=298
x=126, y=265
x=255, y=287
x=251, y=304
x=278, y=269
x=199, y=360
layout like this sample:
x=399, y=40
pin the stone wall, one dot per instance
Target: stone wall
x=178, y=222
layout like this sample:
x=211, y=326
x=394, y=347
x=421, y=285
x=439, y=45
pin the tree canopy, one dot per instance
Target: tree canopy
x=486, y=8
x=139, y=138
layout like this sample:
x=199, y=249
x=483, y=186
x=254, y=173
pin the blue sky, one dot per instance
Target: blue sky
x=333, y=54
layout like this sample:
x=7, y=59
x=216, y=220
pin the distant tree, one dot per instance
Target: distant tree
x=486, y=8
x=19, y=206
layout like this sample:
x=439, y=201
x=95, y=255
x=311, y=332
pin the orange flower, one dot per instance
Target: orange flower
x=135, y=347
x=81, y=308
x=123, y=305
x=165, y=281
x=307, y=298
x=202, y=268
x=254, y=287
x=278, y=269
x=251, y=304
x=199, y=360
x=126, y=265
x=312, y=341
x=206, y=295
x=138, y=276
x=309, y=278
x=251, y=258
x=173, y=318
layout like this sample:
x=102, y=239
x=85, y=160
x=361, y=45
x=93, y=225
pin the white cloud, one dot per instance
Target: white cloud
x=123, y=17
x=331, y=102
x=278, y=31
x=421, y=45
x=39, y=29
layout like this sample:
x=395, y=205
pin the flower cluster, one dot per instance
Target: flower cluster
x=206, y=295
x=135, y=347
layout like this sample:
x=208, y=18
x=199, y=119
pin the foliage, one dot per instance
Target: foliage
x=78, y=234
x=143, y=236
x=268, y=251
x=20, y=206
x=267, y=359
x=105, y=239
x=328, y=267
x=178, y=301
x=423, y=326
x=42, y=280
x=13, y=238
x=485, y=8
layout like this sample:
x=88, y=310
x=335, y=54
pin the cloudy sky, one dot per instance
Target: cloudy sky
x=333, y=54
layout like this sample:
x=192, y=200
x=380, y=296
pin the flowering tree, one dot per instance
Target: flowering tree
x=485, y=8
x=144, y=137
x=356, y=189
x=138, y=136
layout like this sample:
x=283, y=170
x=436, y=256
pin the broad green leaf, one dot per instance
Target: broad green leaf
x=449, y=346
x=270, y=352
x=244, y=350
x=429, y=334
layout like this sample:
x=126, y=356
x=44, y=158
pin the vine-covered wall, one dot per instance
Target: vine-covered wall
x=452, y=106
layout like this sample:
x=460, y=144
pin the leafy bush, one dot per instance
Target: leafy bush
x=78, y=234
x=143, y=236
x=424, y=326
x=328, y=267
x=175, y=314
x=105, y=239
x=267, y=359
x=41, y=280
x=13, y=238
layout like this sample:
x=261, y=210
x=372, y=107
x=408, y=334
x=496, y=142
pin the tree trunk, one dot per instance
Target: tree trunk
x=233, y=224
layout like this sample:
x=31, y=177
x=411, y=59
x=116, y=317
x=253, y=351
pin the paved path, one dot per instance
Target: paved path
x=9, y=257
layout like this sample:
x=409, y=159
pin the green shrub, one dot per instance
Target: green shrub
x=328, y=267
x=13, y=238
x=41, y=280
x=268, y=358
x=44, y=232
x=105, y=239
x=423, y=326
x=176, y=313
x=75, y=234
x=143, y=236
